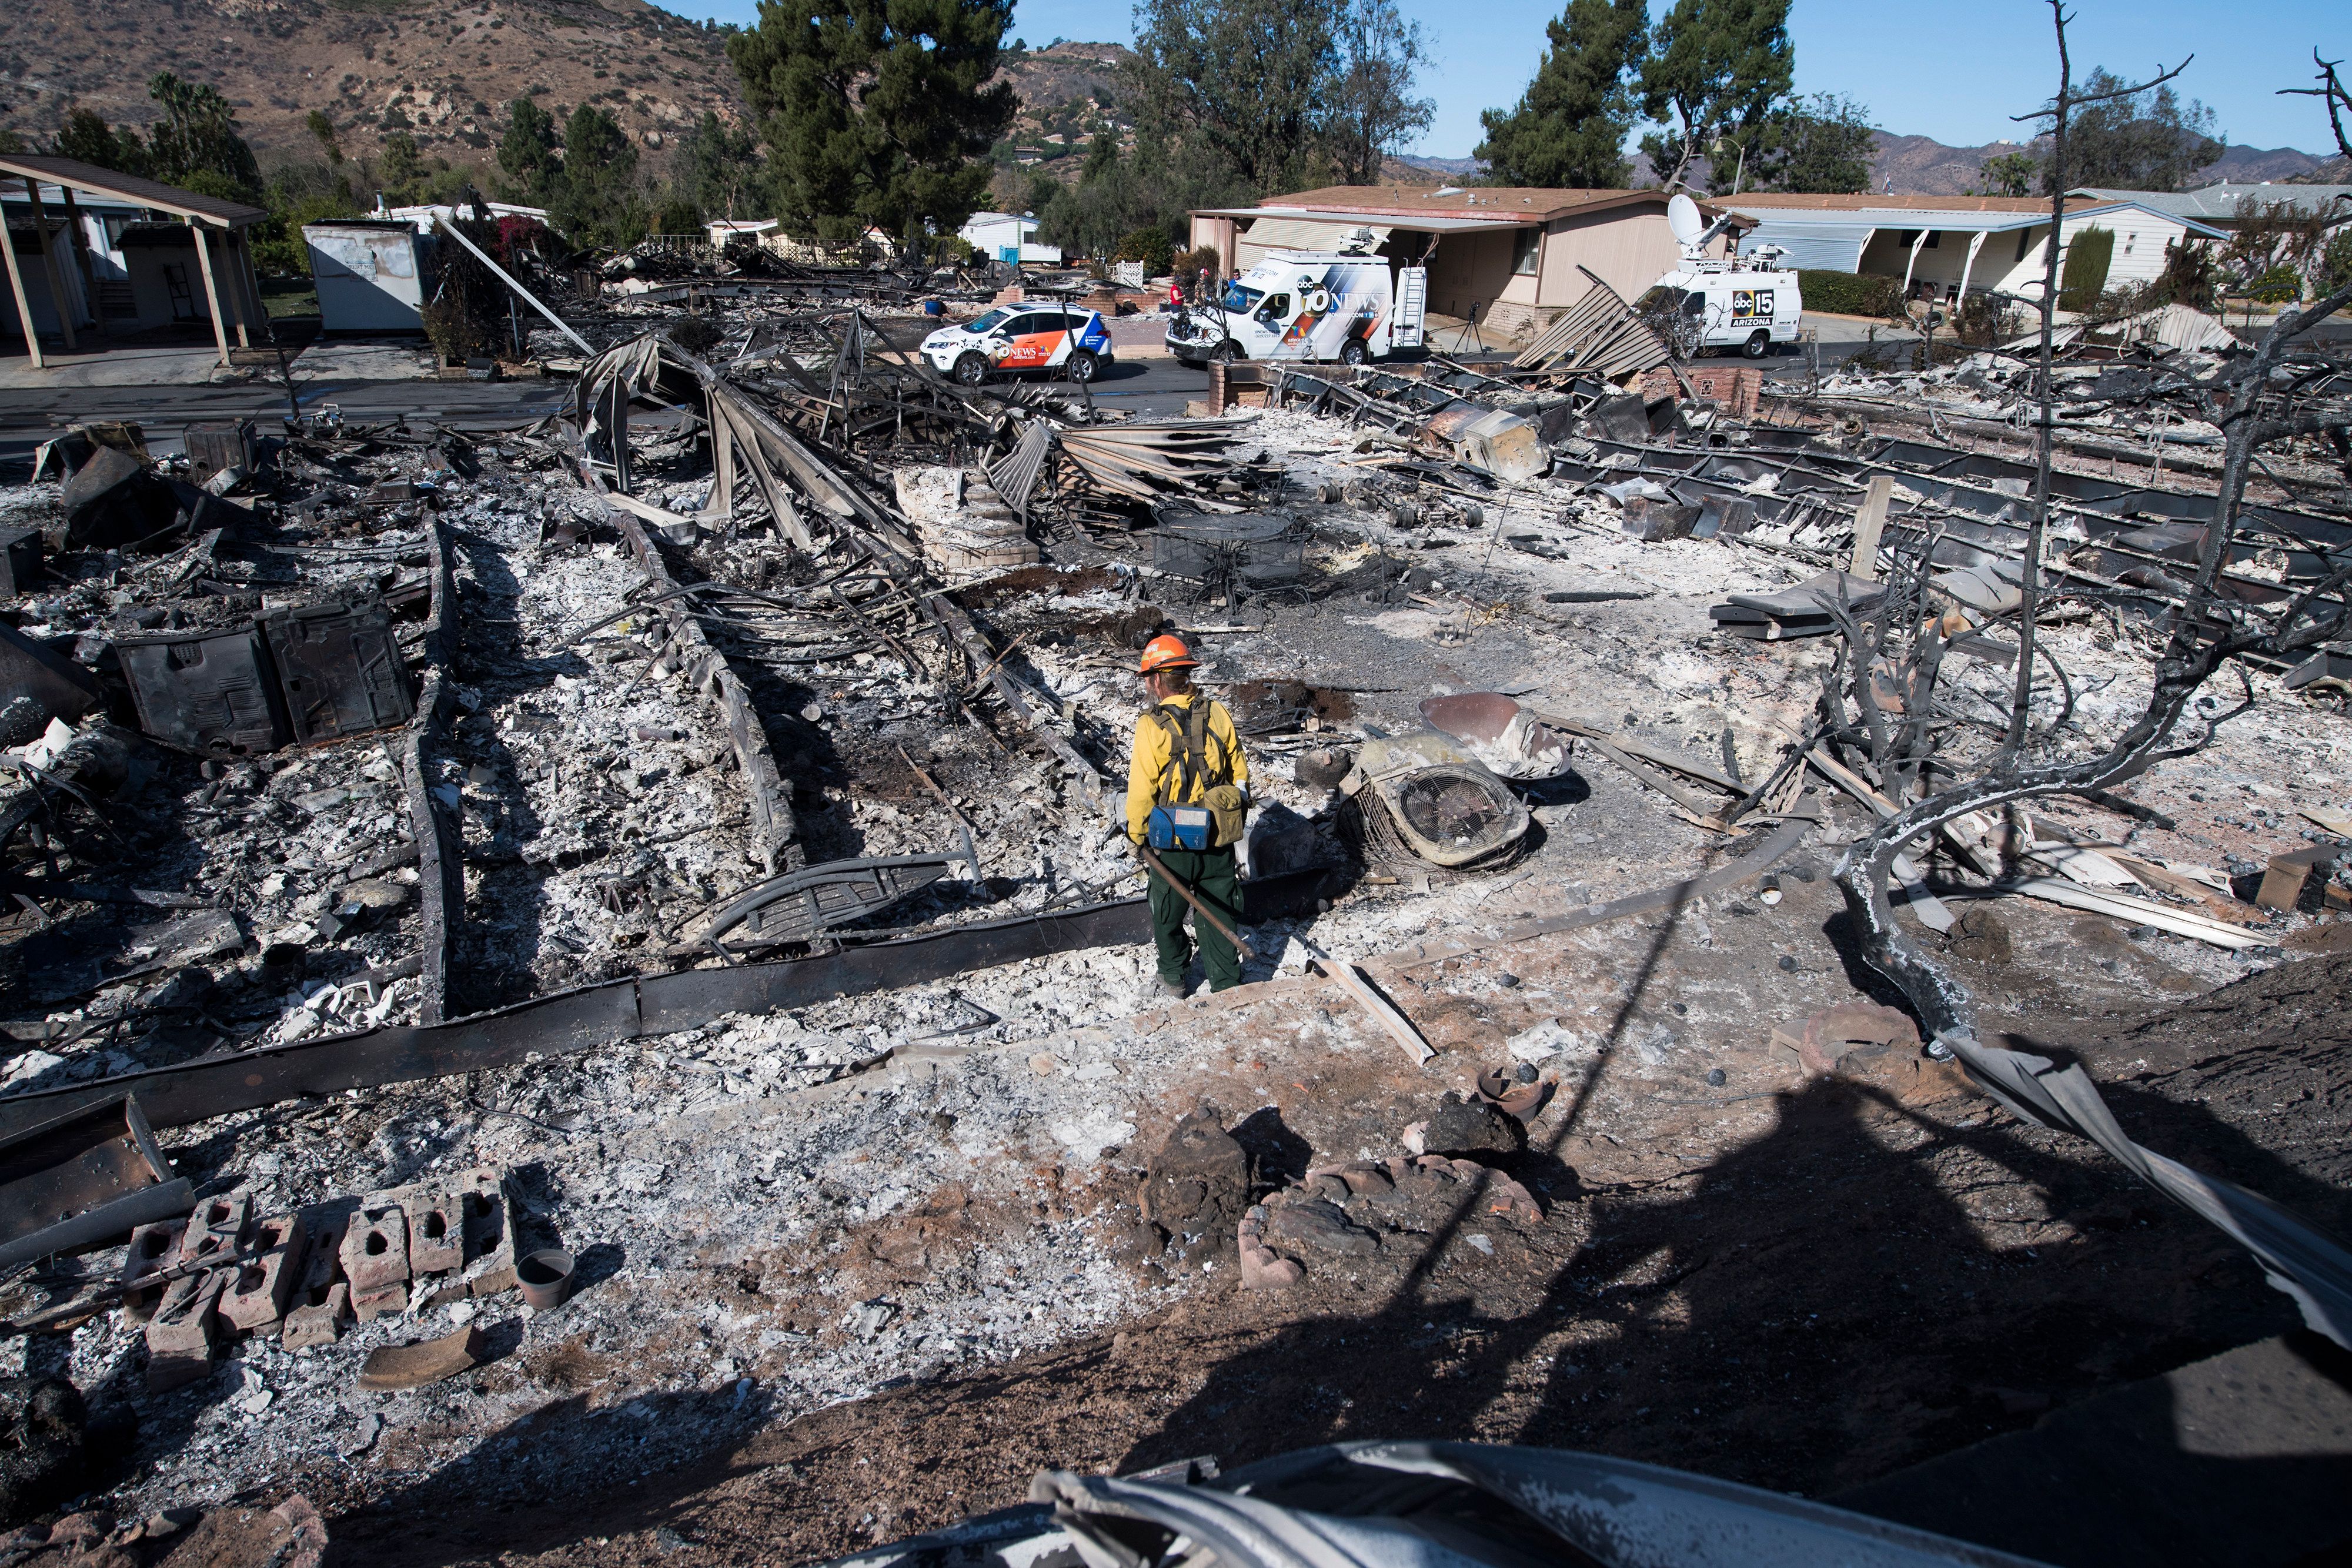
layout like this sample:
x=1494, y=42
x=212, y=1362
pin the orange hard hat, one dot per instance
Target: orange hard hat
x=1166, y=652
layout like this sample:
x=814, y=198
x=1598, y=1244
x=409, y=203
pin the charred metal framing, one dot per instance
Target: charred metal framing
x=440, y=852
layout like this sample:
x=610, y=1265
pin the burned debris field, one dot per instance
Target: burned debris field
x=579, y=992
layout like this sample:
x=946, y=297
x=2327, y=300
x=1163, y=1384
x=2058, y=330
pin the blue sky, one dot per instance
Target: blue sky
x=1959, y=83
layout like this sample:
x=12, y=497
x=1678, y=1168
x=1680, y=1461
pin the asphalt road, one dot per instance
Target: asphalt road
x=1156, y=388
x=1151, y=388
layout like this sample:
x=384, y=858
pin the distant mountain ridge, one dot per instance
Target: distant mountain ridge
x=443, y=71
x=1923, y=166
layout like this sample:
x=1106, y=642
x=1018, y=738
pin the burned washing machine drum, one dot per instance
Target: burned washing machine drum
x=1441, y=804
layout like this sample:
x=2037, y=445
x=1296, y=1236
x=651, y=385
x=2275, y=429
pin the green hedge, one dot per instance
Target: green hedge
x=1850, y=293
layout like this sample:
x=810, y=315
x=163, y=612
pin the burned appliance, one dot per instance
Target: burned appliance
x=317, y=673
x=339, y=669
x=1499, y=733
x=1422, y=797
x=206, y=691
x=82, y=1178
x=217, y=445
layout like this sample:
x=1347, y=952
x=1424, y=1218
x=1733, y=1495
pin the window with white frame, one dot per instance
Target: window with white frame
x=1525, y=243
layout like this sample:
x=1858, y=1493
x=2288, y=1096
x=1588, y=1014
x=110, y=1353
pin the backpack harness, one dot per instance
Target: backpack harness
x=1187, y=769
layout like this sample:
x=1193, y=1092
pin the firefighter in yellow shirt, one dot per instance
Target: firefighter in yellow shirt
x=1187, y=755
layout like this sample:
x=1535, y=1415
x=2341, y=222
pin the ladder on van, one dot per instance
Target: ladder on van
x=1412, y=306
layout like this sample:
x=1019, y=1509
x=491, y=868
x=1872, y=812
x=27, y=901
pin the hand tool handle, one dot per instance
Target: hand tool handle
x=1249, y=955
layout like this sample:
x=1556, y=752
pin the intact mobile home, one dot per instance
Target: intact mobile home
x=1516, y=258
x=1944, y=246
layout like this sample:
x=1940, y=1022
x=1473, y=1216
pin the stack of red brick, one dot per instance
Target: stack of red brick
x=1737, y=389
x=221, y=1272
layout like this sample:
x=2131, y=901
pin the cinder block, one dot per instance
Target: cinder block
x=257, y=1296
x=187, y=1320
x=322, y=1263
x=154, y=1249
x=167, y=1370
x=437, y=1241
x=369, y=1305
x=215, y=1231
x=490, y=1233
x=320, y=1325
x=375, y=1250
x=2297, y=879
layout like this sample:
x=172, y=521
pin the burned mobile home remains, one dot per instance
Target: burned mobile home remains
x=630, y=912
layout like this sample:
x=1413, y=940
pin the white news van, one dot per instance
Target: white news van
x=1306, y=305
x=1716, y=304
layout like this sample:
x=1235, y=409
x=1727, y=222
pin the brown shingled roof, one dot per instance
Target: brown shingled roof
x=1869, y=203
x=1499, y=202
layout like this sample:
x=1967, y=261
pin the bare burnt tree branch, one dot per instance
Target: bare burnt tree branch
x=2332, y=91
x=2202, y=633
x=2061, y=106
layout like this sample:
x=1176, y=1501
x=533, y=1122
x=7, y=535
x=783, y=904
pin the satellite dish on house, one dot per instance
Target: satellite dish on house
x=1683, y=217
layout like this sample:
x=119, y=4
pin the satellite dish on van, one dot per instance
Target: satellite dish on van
x=1683, y=217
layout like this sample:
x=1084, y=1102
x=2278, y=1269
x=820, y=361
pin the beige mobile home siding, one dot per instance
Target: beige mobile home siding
x=1469, y=269
x=1628, y=251
x=2140, y=242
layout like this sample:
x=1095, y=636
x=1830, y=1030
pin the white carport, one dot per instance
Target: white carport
x=217, y=228
x=1836, y=242
x=1851, y=234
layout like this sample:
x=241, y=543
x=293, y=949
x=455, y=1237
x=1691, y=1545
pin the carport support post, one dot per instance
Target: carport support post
x=237, y=248
x=49, y=265
x=1912, y=265
x=82, y=259
x=232, y=289
x=212, y=289
x=24, y=306
x=1976, y=243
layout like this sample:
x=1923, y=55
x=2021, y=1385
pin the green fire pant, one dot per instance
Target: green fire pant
x=1211, y=876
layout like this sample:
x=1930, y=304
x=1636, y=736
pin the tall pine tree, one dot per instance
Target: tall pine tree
x=531, y=153
x=876, y=111
x=1569, y=128
x=597, y=200
x=1823, y=145
x=1716, y=72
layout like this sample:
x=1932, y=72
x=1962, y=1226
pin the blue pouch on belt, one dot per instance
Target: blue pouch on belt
x=1178, y=828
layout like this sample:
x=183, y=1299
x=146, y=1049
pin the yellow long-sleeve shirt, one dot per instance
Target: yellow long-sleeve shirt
x=1154, y=747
